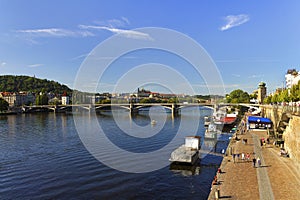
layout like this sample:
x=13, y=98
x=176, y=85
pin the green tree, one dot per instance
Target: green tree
x=41, y=100
x=3, y=105
x=173, y=100
x=12, y=83
x=238, y=96
x=145, y=100
x=253, y=96
x=105, y=101
x=295, y=92
x=275, y=98
x=284, y=96
x=268, y=99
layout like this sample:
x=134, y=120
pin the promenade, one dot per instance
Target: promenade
x=277, y=178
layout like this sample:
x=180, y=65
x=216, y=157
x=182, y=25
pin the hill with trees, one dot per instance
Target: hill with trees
x=11, y=83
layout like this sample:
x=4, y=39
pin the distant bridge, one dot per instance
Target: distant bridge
x=131, y=107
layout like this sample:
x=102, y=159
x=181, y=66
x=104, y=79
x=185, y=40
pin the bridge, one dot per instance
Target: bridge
x=174, y=108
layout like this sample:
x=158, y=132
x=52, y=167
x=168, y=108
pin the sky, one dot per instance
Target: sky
x=248, y=42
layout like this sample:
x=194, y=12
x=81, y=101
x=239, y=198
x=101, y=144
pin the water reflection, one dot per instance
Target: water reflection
x=185, y=169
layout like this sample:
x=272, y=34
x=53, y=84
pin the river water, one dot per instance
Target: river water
x=43, y=157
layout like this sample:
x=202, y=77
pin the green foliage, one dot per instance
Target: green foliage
x=238, y=96
x=284, y=96
x=253, y=96
x=173, y=100
x=268, y=99
x=275, y=98
x=105, y=101
x=145, y=100
x=10, y=83
x=3, y=105
x=41, y=100
x=288, y=95
x=295, y=92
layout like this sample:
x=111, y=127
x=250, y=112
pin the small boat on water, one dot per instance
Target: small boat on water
x=188, y=152
x=153, y=122
x=212, y=131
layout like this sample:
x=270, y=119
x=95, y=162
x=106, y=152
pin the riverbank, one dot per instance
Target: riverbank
x=276, y=178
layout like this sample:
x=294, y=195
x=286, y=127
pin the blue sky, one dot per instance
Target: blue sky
x=249, y=41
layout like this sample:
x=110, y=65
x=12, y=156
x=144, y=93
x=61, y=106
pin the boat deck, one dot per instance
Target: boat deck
x=184, y=154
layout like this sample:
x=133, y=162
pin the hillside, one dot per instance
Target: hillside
x=10, y=83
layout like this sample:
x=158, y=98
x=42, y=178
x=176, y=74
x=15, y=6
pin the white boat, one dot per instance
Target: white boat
x=188, y=152
x=212, y=131
x=153, y=122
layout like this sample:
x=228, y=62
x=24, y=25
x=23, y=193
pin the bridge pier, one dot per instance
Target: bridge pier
x=132, y=109
x=175, y=110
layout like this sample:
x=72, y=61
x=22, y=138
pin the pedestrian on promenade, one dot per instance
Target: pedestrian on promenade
x=248, y=157
x=243, y=156
x=258, y=162
x=254, y=161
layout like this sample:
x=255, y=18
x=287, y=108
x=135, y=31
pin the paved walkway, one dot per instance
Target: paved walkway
x=277, y=177
x=264, y=185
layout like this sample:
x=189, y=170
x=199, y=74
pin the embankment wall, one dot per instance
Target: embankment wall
x=291, y=137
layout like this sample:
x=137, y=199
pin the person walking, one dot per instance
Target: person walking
x=254, y=161
x=258, y=162
x=243, y=156
x=248, y=157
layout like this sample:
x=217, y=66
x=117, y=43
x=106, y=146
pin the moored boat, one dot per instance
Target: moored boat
x=188, y=152
x=212, y=131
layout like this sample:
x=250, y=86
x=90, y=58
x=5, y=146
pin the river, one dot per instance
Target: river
x=42, y=156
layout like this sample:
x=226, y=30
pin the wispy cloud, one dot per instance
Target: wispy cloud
x=256, y=76
x=126, y=33
x=123, y=22
x=55, y=32
x=3, y=64
x=82, y=56
x=92, y=56
x=234, y=20
x=236, y=75
x=35, y=65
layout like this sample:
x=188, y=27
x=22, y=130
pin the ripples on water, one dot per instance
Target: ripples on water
x=42, y=157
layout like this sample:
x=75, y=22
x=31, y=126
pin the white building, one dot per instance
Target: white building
x=65, y=100
x=292, y=77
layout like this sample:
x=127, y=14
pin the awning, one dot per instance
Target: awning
x=259, y=120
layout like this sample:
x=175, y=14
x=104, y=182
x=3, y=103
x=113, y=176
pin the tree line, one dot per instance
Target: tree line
x=11, y=83
x=285, y=95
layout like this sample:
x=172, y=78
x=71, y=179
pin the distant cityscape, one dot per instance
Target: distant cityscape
x=142, y=95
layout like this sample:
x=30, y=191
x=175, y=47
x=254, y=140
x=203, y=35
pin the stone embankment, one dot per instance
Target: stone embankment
x=291, y=137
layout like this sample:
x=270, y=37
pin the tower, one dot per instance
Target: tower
x=262, y=92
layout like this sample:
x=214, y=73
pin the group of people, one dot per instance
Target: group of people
x=256, y=161
x=246, y=157
x=264, y=141
x=242, y=156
